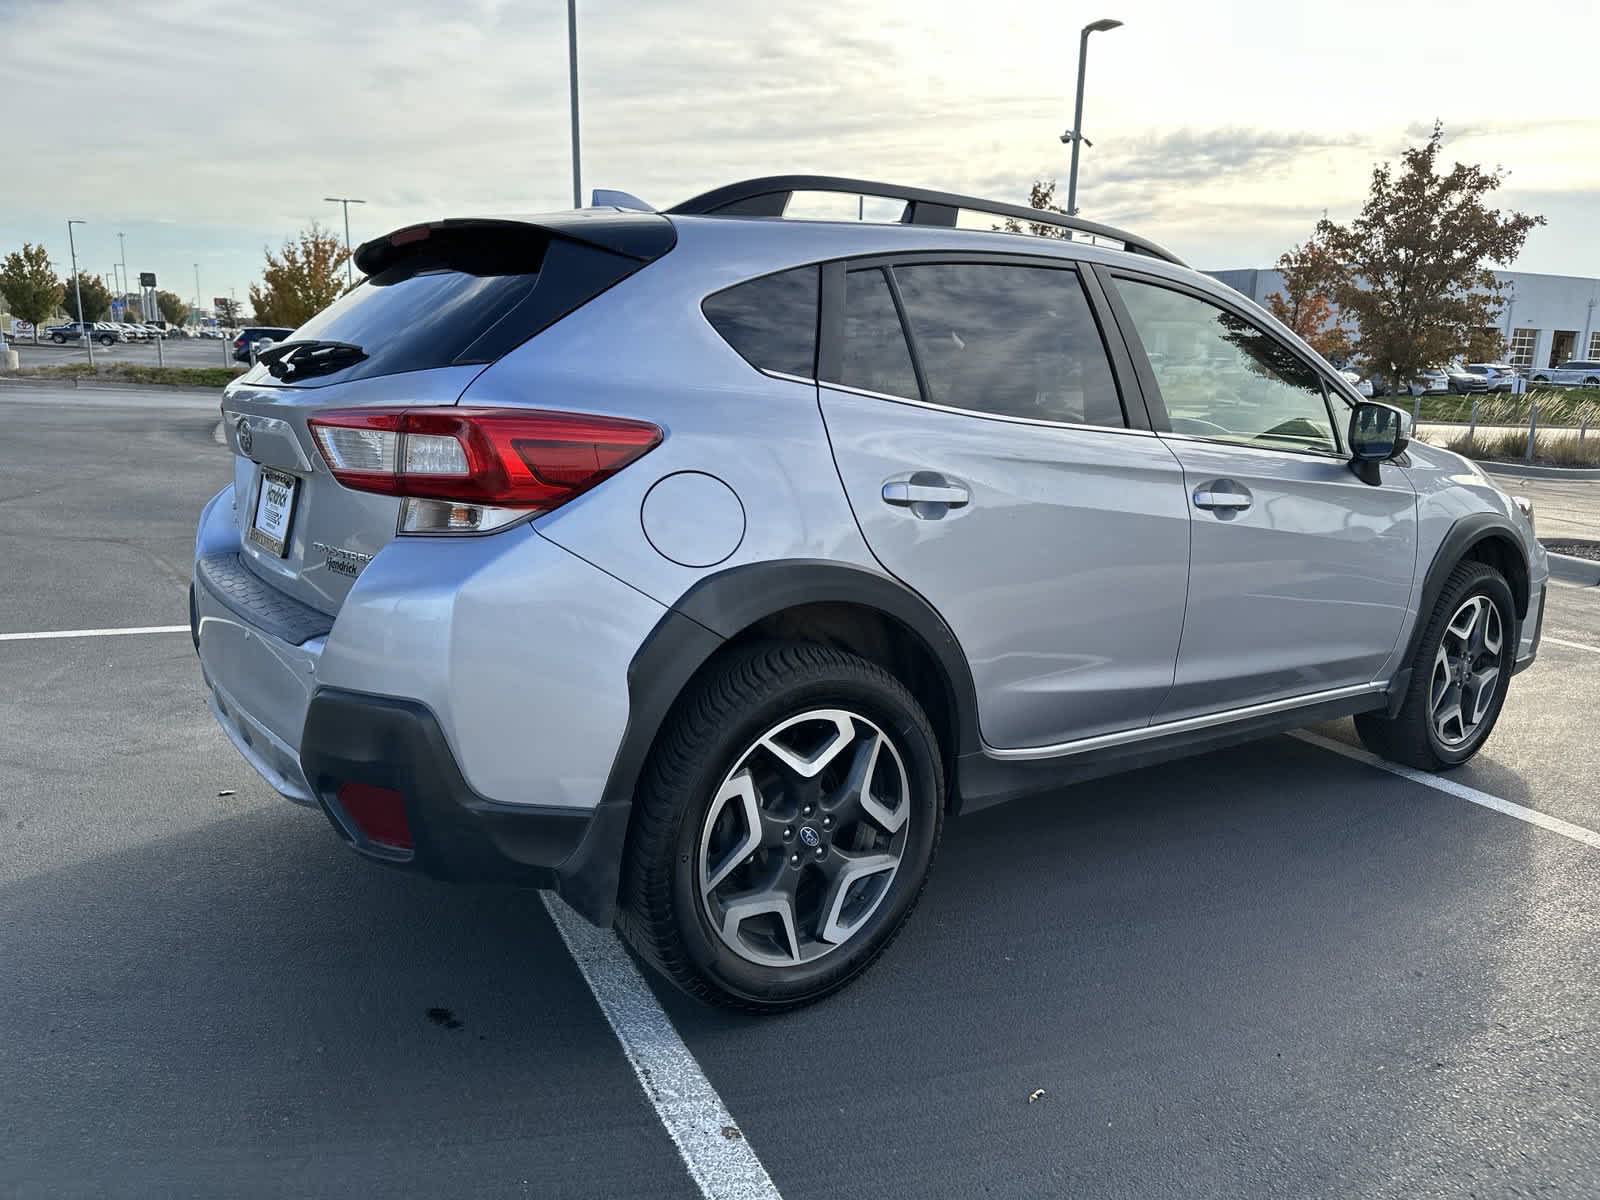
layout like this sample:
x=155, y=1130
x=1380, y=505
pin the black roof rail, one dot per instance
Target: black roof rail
x=770, y=195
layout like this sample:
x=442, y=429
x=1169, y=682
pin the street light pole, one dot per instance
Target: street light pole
x=572, y=78
x=1075, y=134
x=121, y=240
x=77, y=285
x=349, y=269
x=197, y=294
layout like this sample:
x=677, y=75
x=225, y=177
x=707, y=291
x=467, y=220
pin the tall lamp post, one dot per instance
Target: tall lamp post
x=349, y=270
x=572, y=87
x=77, y=286
x=121, y=240
x=1075, y=134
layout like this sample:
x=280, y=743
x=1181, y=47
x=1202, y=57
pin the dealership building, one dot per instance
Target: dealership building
x=1545, y=319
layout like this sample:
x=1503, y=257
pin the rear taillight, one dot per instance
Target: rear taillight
x=467, y=470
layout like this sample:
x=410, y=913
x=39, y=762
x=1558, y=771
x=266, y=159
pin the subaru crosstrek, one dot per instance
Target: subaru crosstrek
x=697, y=564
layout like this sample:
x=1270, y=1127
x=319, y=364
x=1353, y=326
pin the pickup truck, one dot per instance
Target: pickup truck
x=73, y=331
x=1584, y=372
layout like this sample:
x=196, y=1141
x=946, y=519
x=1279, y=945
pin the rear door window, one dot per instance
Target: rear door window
x=771, y=321
x=1009, y=341
x=875, y=356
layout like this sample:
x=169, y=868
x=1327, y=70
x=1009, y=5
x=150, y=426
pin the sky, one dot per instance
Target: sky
x=206, y=133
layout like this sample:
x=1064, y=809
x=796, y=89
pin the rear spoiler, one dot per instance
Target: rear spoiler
x=643, y=237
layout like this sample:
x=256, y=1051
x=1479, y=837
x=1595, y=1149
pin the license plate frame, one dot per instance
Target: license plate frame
x=278, y=510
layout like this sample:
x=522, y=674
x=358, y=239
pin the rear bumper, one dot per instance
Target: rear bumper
x=456, y=834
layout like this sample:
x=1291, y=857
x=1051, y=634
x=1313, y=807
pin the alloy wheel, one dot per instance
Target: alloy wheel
x=804, y=837
x=1466, y=671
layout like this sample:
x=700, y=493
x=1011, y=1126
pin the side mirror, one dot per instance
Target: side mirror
x=1378, y=433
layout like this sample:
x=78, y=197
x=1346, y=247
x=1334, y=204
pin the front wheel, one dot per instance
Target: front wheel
x=784, y=827
x=1459, y=676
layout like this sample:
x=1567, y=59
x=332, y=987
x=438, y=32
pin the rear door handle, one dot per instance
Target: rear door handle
x=1221, y=494
x=903, y=494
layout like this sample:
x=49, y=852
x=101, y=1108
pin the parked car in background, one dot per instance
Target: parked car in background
x=259, y=336
x=1431, y=381
x=1464, y=382
x=74, y=331
x=1581, y=372
x=132, y=332
x=1359, y=382
x=1497, y=377
x=700, y=565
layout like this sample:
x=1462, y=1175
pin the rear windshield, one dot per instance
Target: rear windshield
x=458, y=296
x=429, y=309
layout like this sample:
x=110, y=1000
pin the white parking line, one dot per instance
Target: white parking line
x=714, y=1148
x=1459, y=790
x=1573, y=645
x=84, y=633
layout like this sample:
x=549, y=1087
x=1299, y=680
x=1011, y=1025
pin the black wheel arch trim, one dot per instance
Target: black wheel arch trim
x=733, y=600
x=719, y=608
x=1467, y=533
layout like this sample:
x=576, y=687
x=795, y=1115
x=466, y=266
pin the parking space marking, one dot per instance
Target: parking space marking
x=48, y=634
x=1461, y=791
x=1573, y=645
x=720, y=1160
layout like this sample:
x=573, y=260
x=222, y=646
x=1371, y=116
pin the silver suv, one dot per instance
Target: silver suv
x=696, y=564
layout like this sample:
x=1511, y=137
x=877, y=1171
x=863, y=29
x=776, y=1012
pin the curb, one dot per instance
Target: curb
x=1528, y=471
x=1572, y=569
x=109, y=385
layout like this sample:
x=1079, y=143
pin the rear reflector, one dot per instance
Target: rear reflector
x=486, y=466
x=379, y=813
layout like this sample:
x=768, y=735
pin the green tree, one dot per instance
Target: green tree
x=174, y=308
x=1312, y=276
x=227, y=312
x=300, y=281
x=1416, y=280
x=1042, y=195
x=29, y=284
x=96, y=297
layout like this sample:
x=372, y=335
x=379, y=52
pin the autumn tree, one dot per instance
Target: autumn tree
x=96, y=297
x=174, y=308
x=301, y=280
x=1311, y=279
x=1416, y=283
x=29, y=284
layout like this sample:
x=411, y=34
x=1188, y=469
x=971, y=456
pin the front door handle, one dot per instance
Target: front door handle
x=902, y=493
x=1222, y=494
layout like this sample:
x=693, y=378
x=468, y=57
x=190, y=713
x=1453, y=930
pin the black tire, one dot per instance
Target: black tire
x=1409, y=737
x=752, y=690
x=106, y=341
x=58, y=339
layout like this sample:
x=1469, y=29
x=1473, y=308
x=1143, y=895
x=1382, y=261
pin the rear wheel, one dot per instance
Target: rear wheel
x=1459, y=676
x=784, y=827
x=58, y=339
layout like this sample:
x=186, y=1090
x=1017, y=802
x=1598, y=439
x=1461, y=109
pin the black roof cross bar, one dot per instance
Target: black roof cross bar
x=770, y=195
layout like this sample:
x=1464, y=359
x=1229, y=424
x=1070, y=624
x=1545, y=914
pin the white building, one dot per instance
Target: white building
x=1546, y=319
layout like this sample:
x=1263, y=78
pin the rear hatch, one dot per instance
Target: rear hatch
x=441, y=302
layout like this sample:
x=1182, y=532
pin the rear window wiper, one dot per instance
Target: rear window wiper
x=301, y=359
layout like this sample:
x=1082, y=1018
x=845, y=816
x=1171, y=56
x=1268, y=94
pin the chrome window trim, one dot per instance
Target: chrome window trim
x=1330, y=455
x=979, y=415
x=1146, y=732
x=790, y=378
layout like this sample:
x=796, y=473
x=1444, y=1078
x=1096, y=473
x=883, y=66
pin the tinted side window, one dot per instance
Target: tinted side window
x=1222, y=377
x=1012, y=341
x=875, y=355
x=771, y=321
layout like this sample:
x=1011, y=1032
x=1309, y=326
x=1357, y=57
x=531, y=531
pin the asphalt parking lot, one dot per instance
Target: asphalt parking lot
x=1272, y=971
